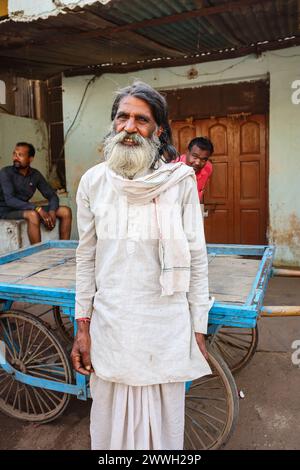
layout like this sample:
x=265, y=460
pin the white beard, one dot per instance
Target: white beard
x=127, y=160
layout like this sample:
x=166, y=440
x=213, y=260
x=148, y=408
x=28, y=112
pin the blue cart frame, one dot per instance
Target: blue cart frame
x=221, y=314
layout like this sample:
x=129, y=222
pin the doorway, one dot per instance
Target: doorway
x=235, y=198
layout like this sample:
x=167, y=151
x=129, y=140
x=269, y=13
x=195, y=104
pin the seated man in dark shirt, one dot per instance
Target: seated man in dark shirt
x=18, y=183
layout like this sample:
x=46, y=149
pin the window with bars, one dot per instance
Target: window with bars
x=56, y=129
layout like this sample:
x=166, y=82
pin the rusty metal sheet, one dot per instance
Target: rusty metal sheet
x=132, y=35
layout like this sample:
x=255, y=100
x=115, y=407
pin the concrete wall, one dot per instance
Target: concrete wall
x=16, y=129
x=282, y=67
x=284, y=187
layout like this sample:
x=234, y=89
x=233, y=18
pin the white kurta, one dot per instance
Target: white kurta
x=138, y=337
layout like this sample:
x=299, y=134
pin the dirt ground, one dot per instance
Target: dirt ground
x=269, y=414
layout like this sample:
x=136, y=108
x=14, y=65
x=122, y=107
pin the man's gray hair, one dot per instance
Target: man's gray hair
x=159, y=110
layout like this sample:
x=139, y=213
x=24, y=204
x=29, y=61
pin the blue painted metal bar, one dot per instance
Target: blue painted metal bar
x=5, y=305
x=68, y=311
x=45, y=383
x=242, y=250
x=59, y=302
x=28, y=289
x=81, y=382
x=213, y=329
x=187, y=386
x=232, y=315
x=226, y=309
x=70, y=244
x=260, y=282
x=18, y=254
x=38, y=247
x=236, y=322
x=17, y=290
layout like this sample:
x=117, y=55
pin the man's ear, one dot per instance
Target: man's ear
x=159, y=131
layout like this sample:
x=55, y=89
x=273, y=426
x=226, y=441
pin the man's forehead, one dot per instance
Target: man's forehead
x=22, y=148
x=133, y=105
x=197, y=150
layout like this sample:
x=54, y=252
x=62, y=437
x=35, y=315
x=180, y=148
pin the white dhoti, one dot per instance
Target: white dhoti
x=129, y=417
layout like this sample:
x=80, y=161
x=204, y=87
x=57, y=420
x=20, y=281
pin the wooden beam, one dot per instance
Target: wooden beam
x=213, y=56
x=202, y=12
x=32, y=60
x=135, y=37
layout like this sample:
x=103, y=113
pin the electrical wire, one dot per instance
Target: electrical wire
x=91, y=80
x=213, y=73
x=284, y=56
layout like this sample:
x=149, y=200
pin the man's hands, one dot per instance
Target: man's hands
x=80, y=355
x=81, y=351
x=49, y=218
x=200, y=338
x=53, y=217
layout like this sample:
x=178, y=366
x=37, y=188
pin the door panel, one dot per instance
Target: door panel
x=218, y=195
x=236, y=194
x=250, y=180
x=183, y=133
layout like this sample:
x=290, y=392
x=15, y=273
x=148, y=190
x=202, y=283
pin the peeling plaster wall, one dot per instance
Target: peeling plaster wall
x=284, y=148
x=15, y=129
x=28, y=10
x=282, y=67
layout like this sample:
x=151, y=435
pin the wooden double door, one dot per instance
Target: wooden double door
x=236, y=195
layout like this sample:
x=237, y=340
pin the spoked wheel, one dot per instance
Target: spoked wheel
x=32, y=349
x=211, y=408
x=237, y=346
x=64, y=325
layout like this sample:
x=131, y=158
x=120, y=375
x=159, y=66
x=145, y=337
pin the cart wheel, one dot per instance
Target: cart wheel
x=33, y=349
x=211, y=407
x=237, y=346
x=64, y=325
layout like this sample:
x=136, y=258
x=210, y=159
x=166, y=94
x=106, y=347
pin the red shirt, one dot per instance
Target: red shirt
x=201, y=175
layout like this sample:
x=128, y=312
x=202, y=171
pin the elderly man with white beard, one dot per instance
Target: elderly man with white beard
x=141, y=280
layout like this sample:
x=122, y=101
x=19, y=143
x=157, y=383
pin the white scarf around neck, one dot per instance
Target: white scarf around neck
x=161, y=187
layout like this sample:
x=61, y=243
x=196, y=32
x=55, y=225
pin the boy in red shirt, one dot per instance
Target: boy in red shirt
x=197, y=156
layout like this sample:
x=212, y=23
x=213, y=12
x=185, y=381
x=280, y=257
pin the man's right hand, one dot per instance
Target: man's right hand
x=81, y=351
x=44, y=215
